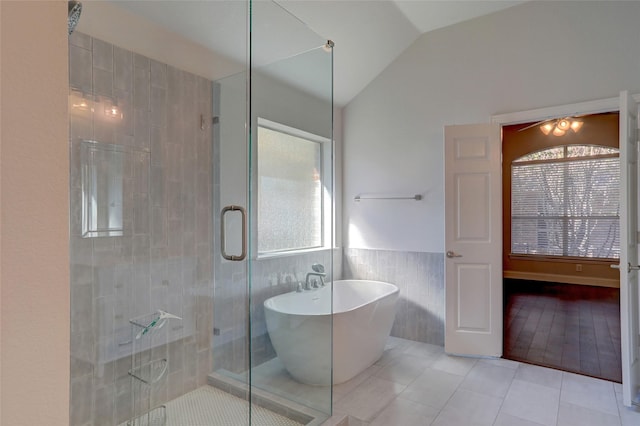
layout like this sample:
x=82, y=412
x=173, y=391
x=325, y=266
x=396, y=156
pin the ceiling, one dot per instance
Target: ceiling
x=368, y=34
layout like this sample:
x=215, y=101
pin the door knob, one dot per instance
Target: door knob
x=630, y=267
x=451, y=254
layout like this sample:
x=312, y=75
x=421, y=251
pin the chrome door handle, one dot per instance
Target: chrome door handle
x=223, y=237
x=451, y=254
x=630, y=267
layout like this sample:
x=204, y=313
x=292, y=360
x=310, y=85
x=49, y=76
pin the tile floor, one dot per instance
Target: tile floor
x=417, y=384
x=212, y=407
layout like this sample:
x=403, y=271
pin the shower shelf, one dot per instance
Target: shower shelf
x=155, y=417
x=150, y=338
x=150, y=372
x=151, y=323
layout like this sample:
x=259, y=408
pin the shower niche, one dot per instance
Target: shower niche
x=115, y=178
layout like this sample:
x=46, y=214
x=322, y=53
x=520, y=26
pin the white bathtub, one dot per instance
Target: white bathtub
x=299, y=326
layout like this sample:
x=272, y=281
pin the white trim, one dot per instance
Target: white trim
x=283, y=128
x=580, y=108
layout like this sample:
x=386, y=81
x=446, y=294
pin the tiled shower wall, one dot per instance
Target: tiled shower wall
x=420, y=278
x=163, y=259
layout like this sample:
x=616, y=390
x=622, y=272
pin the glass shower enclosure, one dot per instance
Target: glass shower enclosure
x=197, y=195
x=287, y=186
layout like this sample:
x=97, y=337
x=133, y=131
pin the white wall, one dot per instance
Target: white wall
x=34, y=239
x=534, y=55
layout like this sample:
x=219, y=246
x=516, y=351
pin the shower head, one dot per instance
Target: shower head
x=75, y=9
x=317, y=267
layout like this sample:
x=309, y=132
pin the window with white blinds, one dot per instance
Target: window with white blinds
x=565, y=202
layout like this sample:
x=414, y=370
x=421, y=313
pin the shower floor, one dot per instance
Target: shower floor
x=213, y=407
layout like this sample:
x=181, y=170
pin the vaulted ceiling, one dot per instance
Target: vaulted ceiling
x=368, y=34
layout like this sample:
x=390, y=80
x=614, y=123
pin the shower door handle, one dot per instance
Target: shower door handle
x=223, y=237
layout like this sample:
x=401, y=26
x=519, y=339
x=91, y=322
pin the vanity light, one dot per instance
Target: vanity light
x=80, y=102
x=112, y=111
x=82, y=105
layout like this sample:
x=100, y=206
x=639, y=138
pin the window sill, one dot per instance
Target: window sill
x=564, y=259
x=287, y=253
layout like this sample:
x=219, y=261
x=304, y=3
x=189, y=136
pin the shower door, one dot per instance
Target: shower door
x=273, y=207
x=194, y=198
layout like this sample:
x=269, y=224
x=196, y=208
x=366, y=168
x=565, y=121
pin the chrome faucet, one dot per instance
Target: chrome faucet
x=318, y=271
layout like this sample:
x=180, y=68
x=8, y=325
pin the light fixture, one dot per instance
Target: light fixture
x=563, y=124
x=546, y=128
x=560, y=126
x=85, y=104
x=80, y=102
x=576, y=125
x=112, y=110
x=82, y=105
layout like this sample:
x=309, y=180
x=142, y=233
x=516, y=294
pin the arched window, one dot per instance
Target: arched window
x=565, y=202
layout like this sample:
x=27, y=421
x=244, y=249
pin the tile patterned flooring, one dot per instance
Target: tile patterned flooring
x=417, y=384
x=212, y=407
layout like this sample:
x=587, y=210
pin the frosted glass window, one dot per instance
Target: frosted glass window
x=290, y=213
x=566, y=205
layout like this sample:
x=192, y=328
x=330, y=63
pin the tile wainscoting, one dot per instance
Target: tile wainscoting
x=420, y=278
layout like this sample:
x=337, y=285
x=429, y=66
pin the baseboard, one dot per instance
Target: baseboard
x=568, y=279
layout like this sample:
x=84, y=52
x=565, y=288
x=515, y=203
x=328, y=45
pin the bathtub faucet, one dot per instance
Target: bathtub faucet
x=309, y=286
x=318, y=271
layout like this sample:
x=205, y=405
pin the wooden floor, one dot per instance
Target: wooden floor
x=570, y=327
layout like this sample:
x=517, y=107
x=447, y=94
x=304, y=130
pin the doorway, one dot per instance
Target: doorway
x=560, y=238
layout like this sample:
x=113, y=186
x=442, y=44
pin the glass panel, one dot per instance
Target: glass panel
x=144, y=173
x=231, y=317
x=294, y=90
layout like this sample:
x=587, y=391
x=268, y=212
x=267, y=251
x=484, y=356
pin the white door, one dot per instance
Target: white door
x=473, y=240
x=629, y=293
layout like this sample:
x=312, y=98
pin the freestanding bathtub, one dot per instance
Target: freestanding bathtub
x=299, y=325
